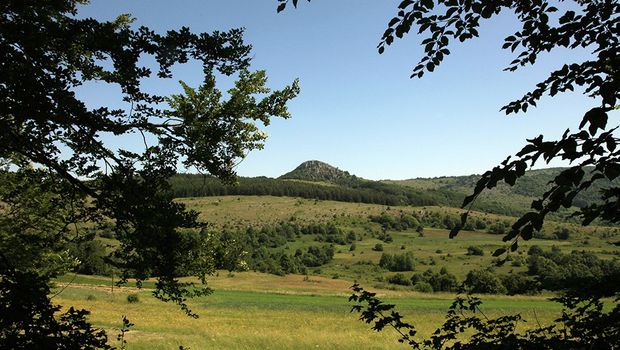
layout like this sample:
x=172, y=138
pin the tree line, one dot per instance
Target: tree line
x=552, y=270
x=371, y=192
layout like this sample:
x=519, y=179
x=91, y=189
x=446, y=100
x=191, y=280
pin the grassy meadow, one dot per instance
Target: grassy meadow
x=432, y=250
x=250, y=310
x=258, y=311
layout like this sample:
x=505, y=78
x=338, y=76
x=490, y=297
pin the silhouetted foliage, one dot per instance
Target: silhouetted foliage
x=57, y=170
x=593, y=150
x=584, y=324
x=29, y=320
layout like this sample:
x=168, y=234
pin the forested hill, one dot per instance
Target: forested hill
x=189, y=185
x=505, y=199
x=318, y=180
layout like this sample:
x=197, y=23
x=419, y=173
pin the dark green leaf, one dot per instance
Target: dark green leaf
x=499, y=251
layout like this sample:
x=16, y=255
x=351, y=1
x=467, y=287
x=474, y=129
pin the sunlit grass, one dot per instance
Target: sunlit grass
x=250, y=310
x=259, y=311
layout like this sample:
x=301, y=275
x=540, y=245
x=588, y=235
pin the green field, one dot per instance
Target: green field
x=258, y=311
x=251, y=310
x=434, y=250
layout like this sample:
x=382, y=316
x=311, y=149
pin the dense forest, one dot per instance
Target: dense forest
x=374, y=192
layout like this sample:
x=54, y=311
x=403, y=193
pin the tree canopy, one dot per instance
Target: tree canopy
x=58, y=171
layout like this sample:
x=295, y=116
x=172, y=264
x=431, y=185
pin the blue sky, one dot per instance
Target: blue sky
x=359, y=110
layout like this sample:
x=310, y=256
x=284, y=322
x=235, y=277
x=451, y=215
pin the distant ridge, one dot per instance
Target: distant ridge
x=314, y=170
x=319, y=180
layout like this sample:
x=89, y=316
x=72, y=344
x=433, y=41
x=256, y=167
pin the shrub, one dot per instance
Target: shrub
x=535, y=250
x=518, y=262
x=423, y=287
x=574, y=271
x=498, y=228
x=400, y=279
x=378, y=247
x=519, y=284
x=133, y=298
x=397, y=262
x=473, y=250
x=91, y=255
x=351, y=236
x=484, y=281
x=543, y=235
x=562, y=233
x=442, y=281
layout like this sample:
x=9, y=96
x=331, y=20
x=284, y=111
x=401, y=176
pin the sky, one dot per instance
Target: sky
x=358, y=110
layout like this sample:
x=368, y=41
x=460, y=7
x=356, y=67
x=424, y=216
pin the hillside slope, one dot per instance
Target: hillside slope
x=318, y=180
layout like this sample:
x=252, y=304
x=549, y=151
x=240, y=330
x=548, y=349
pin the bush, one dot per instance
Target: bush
x=543, y=235
x=442, y=281
x=519, y=284
x=400, y=279
x=423, y=287
x=518, y=262
x=498, y=228
x=575, y=271
x=484, y=281
x=91, y=255
x=133, y=298
x=473, y=250
x=397, y=262
x=378, y=247
x=351, y=236
x=562, y=233
x=535, y=250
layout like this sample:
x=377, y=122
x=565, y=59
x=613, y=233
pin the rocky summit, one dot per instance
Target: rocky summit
x=314, y=170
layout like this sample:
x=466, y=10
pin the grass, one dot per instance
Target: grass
x=251, y=310
x=432, y=250
x=257, y=311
